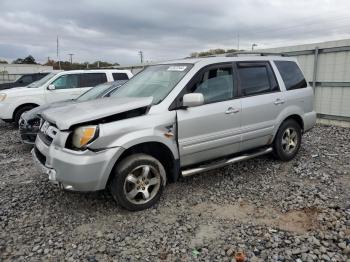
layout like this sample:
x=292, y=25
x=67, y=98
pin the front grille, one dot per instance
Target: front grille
x=47, y=132
x=45, y=138
x=34, y=122
x=40, y=156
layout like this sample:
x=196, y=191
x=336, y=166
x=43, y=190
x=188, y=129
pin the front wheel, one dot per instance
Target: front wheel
x=138, y=182
x=288, y=140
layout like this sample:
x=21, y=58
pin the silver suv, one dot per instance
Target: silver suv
x=176, y=119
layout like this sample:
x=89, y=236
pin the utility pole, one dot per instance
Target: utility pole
x=58, y=54
x=253, y=45
x=238, y=41
x=48, y=59
x=141, y=56
x=71, y=58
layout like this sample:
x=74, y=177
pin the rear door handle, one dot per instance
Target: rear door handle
x=231, y=110
x=279, y=101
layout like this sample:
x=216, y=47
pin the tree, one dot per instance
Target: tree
x=217, y=51
x=66, y=65
x=18, y=61
x=3, y=62
x=28, y=60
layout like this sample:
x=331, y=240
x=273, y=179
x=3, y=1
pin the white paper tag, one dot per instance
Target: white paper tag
x=177, y=68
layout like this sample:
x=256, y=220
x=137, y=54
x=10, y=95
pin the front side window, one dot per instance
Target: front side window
x=291, y=74
x=92, y=79
x=155, y=81
x=216, y=84
x=66, y=82
x=256, y=78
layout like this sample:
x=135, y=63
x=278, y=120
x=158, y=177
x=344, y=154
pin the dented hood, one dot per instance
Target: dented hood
x=82, y=112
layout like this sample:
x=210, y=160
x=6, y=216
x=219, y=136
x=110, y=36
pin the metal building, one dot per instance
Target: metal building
x=326, y=65
x=10, y=72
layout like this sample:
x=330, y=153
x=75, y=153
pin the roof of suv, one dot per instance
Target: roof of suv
x=222, y=59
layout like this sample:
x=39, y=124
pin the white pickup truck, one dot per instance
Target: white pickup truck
x=56, y=86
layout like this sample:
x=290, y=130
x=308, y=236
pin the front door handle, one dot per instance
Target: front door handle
x=231, y=110
x=279, y=101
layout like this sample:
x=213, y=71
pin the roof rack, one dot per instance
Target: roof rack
x=238, y=53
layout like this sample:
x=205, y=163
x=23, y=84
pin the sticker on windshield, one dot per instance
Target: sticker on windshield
x=177, y=68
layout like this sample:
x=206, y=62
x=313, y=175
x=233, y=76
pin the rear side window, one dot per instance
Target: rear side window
x=92, y=79
x=291, y=74
x=120, y=76
x=256, y=78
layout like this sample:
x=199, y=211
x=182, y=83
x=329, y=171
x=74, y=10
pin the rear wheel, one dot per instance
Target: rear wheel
x=288, y=140
x=137, y=182
x=19, y=112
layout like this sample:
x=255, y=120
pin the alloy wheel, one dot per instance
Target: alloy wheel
x=142, y=184
x=289, y=140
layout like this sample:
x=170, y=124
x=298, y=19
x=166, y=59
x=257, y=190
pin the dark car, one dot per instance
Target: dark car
x=24, y=80
x=30, y=122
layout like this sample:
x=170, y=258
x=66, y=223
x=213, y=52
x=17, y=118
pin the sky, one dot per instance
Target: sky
x=115, y=31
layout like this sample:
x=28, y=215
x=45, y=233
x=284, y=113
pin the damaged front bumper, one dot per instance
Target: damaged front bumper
x=75, y=170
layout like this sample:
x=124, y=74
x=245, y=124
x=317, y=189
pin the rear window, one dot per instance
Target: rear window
x=120, y=76
x=92, y=79
x=291, y=74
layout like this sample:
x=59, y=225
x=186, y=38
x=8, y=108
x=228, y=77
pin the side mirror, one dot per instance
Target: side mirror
x=51, y=87
x=192, y=100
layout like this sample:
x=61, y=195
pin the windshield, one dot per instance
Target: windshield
x=156, y=81
x=95, y=92
x=42, y=81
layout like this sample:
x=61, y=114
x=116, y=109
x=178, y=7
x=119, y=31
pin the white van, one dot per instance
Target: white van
x=54, y=87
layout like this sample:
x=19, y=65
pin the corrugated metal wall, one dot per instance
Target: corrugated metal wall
x=332, y=87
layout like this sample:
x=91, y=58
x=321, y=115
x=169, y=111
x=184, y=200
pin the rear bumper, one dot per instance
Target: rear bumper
x=309, y=120
x=75, y=170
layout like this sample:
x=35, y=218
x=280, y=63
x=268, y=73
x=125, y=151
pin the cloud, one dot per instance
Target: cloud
x=116, y=30
x=9, y=51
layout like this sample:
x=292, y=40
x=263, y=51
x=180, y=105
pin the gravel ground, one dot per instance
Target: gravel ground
x=269, y=210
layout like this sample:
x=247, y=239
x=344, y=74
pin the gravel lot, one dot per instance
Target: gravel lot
x=270, y=210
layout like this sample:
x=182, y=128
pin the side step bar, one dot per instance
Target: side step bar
x=207, y=167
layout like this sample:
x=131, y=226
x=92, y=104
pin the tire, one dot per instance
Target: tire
x=132, y=179
x=287, y=141
x=19, y=112
x=8, y=121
